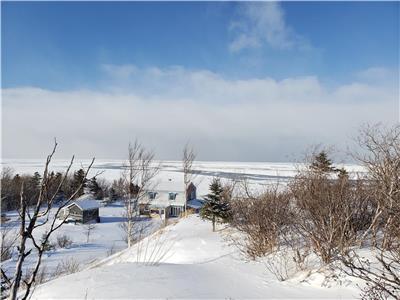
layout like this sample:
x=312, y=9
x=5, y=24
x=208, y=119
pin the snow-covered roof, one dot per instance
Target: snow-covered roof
x=164, y=198
x=85, y=204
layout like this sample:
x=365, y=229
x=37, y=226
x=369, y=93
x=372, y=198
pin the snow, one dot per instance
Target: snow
x=184, y=260
x=85, y=204
x=106, y=237
x=170, y=177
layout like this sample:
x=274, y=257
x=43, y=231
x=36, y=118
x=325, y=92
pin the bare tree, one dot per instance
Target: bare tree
x=29, y=217
x=139, y=173
x=88, y=230
x=188, y=158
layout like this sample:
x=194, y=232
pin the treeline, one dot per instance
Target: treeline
x=325, y=212
x=11, y=183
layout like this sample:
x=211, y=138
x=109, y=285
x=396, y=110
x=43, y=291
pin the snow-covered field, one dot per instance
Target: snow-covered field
x=105, y=238
x=170, y=175
x=186, y=260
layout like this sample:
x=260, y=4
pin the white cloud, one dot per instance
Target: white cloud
x=262, y=23
x=119, y=71
x=253, y=119
x=377, y=74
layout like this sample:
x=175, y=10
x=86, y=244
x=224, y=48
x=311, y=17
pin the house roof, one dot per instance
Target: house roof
x=85, y=204
x=162, y=200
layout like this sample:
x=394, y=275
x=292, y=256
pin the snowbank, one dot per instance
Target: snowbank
x=185, y=260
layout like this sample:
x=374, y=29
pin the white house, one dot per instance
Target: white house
x=165, y=203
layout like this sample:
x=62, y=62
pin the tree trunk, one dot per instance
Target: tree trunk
x=213, y=223
x=18, y=271
x=129, y=233
x=21, y=249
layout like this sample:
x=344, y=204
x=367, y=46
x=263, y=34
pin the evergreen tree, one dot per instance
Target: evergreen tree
x=216, y=208
x=112, y=195
x=119, y=188
x=321, y=163
x=342, y=174
x=57, y=178
x=95, y=189
x=16, y=188
x=36, y=180
x=32, y=187
x=78, y=178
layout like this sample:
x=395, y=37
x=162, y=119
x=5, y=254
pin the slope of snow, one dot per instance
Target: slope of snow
x=185, y=260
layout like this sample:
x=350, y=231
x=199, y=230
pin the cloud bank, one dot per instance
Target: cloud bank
x=258, y=119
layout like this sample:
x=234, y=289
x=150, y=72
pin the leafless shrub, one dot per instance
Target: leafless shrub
x=64, y=241
x=381, y=157
x=282, y=264
x=381, y=273
x=261, y=220
x=138, y=231
x=329, y=208
x=66, y=266
x=154, y=248
x=8, y=240
x=41, y=277
x=112, y=250
x=297, y=248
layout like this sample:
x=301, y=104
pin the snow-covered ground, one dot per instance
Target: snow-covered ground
x=105, y=238
x=185, y=260
x=170, y=175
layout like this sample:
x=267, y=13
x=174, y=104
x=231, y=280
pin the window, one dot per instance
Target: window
x=172, y=196
x=152, y=195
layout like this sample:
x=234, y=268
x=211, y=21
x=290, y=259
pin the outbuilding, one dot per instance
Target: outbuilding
x=82, y=211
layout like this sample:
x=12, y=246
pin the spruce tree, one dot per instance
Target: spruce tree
x=216, y=208
x=95, y=189
x=32, y=187
x=79, y=177
x=58, y=177
x=342, y=174
x=112, y=195
x=321, y=163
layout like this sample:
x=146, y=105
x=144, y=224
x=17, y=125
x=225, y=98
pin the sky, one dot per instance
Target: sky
x=241, y=81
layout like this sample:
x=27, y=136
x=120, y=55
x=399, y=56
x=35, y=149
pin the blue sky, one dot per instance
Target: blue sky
x=242, y=81
x=63, y=45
